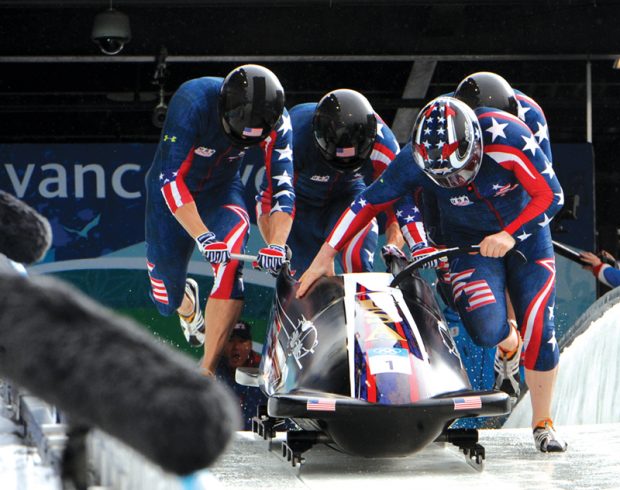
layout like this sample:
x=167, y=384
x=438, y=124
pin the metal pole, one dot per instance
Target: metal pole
x=589, y=101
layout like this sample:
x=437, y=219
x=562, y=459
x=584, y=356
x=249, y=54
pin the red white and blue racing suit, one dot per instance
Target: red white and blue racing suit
x=195, y=162
x=516, y=191
x=418, y=236
x=608, y=275
x=323, y=193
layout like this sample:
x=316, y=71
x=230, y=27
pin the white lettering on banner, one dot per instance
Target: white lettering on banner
x=19, y=186
x=117, y=183
x=54, y=181
x=59, y=181
x=245, y=176
x=258, y=179
x=80, y=171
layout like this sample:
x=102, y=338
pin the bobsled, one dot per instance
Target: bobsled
x=365, y=363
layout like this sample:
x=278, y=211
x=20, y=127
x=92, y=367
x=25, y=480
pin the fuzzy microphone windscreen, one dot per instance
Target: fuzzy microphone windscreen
x=106, y=371
x=25, y=235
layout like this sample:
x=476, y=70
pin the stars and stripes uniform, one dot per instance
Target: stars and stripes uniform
x=196, y=163
x=608, y=275
x=532, y=114
x=516, y=190
x=322, y=193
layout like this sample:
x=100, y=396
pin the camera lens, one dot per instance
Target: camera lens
x=111, y=45
x=111, y=31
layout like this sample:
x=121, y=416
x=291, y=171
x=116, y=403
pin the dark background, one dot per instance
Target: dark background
x=56, y=86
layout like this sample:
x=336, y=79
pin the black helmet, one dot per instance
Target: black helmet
x=345, y=128
x=251, y=102
x=489, y=90
x=447, y=142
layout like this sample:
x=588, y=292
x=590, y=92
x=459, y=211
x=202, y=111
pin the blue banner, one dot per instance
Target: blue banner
x=92, y=194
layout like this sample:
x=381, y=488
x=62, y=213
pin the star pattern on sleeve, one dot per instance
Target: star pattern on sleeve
x=168, y=176
x=524, y=236
x=548, y=170
x=286, y=126
x=561, y=198
x=380, y=129
x=496, y=130
x=283, y=179
x=546, y=220
x=276, y=207
x=522, y=112
x=542, y=133
x=530, y=144
x=285, y=153
x=285, y=192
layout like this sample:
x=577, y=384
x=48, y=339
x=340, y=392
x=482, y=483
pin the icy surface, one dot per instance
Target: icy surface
x=21, y=467
x=588, y=391
x=588, y=384
x=512, y=462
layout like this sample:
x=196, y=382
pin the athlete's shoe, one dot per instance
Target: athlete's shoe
x=506, y=367
x=193, y=325
x=547, y=439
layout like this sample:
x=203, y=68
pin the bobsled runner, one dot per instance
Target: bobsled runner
x=366, y=364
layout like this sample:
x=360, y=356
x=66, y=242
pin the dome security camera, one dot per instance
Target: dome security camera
x=111, y=31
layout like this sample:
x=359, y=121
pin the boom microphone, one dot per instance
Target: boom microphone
x=105, y=371
x=25, y=235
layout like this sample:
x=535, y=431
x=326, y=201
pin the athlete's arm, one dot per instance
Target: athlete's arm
x=276, y=199
x=176, y=146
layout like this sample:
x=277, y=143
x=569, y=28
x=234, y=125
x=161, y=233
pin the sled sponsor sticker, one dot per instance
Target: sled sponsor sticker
x=389, y=360
x=467, y=403
x=321, y=405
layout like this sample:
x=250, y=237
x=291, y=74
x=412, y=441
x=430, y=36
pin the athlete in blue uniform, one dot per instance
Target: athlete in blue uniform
x=340, y=145
x=194, y=196
x=496, y=188
x=482, y=89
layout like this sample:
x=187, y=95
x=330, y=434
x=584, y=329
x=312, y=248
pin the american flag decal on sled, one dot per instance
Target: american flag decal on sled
x=321, y=404
x=467, y=403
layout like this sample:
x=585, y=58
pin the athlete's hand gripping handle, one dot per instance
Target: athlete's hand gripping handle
x=212, y=250
x=272, y=258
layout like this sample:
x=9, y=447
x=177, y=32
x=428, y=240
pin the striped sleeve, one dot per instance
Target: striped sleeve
x=385, y=149
x=396, y=181
x=176, y=149
x=411, y=222
x=519, y=152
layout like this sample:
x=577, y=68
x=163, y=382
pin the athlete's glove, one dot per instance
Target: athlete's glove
x=213, y=251
x=271, y=259
x=390, y=252
x=421, y=252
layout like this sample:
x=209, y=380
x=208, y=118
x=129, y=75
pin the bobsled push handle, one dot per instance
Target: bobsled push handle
x=244, y=257
x=418, y=262
x=252, y=259
x=568, y=253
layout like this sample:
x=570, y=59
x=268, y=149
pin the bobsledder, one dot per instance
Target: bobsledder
x=366, y=364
